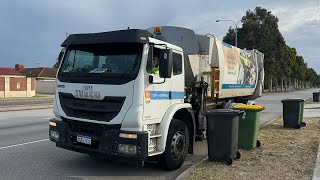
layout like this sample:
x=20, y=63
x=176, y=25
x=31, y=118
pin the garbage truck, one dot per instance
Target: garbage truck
x=140, y=94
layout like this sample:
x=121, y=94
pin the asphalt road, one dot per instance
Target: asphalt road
x=272, y=102
x=26, y=153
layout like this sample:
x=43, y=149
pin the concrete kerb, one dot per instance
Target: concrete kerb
x=20, y=108
x=25, y=99
x=188, y=171
x=269, y=122
x=316, y=171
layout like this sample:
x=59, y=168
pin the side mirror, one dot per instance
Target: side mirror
x=165, y=63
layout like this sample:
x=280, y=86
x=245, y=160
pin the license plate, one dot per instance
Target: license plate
x=84, y=139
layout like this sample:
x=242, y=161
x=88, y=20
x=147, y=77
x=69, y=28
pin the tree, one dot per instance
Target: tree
x=260, y=31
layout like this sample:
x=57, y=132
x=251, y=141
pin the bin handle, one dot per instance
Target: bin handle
x=244, y=115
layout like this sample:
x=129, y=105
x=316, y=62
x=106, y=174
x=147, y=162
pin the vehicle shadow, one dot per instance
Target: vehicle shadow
x=85, y=167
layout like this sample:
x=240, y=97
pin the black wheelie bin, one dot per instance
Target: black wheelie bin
x=222, y=135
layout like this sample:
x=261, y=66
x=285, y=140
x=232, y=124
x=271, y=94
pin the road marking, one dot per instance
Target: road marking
x=32, y=142
x=48, y=118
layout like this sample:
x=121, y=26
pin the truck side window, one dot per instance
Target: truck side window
x=153, y=61
x=177, y=64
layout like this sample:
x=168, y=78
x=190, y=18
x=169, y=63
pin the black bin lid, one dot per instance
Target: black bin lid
x=316, y=92
x=293, y=100
x=223, y=112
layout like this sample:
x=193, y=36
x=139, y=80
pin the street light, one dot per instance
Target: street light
x=236, y=24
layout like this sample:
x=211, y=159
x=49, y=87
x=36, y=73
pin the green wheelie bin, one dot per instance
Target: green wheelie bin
x=249, y=126
x=302, y=124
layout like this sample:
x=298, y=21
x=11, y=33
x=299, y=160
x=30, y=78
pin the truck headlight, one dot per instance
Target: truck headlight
x=127, y=149
x=54, y=135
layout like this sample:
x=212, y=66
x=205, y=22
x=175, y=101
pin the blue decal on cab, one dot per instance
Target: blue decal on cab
x=166, y=95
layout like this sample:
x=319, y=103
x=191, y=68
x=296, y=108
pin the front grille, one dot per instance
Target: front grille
x=87, y=128
x=99, y=110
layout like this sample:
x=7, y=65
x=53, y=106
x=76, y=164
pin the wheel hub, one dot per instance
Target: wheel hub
x=178, y=145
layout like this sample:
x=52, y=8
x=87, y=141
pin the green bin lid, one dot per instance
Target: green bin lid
x=223, y=112
x=293, y=100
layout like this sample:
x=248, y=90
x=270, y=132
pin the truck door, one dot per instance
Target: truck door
x=157, y=97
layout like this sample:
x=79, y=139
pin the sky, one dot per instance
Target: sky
x=32, y=31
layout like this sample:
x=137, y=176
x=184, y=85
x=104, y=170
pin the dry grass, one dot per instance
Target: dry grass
x=284, y=154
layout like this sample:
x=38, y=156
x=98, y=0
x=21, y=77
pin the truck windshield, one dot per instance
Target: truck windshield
x=116, y=60
x=107, y=60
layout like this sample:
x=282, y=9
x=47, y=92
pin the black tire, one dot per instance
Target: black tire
x=238, y=155
x=303, y=124
x=258, y=143
x=228, y=160
x=176, y=146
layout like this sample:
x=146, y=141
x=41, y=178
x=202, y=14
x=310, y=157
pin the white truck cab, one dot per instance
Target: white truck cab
x=130, y=94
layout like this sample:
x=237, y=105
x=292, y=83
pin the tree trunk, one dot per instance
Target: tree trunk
x=285, y=84
x=282, y=79
x=289, y=84
x=270, y=85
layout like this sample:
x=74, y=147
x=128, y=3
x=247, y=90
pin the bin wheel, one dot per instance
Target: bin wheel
x=258, y=143
x=228, y=160
x=298, y=126
x=303, y=124
x=238, y=155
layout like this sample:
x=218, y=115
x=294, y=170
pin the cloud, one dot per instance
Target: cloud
x=33, y=30
x=292, y=17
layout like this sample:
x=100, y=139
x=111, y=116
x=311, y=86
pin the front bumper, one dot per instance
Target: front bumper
x=105, y=143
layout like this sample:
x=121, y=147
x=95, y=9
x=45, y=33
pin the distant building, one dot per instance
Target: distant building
x=45, y=78
x=14, y=84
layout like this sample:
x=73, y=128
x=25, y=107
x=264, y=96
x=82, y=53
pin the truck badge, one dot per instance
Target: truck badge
x=87, y=92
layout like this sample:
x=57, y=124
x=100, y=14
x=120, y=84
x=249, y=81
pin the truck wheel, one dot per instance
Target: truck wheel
x=176, y=145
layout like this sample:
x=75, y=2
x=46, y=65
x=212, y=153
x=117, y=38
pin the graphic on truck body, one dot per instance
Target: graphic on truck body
x=240, y=68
